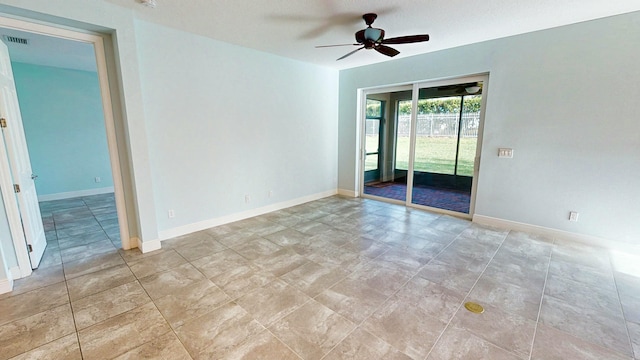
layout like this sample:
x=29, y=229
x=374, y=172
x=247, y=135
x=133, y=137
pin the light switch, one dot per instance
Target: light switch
x=505, y=153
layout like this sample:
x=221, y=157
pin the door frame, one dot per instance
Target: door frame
x=98, y=42
x=414, y=87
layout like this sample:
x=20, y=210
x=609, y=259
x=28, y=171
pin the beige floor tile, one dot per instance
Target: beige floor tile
x=272, y=301
x=171, y=281
x=552, y=344
x=256, y=248
x=91, y=264
x=386, y=280
x=449, y=276
x=435, y=300
x=40, y=277
x=166, y=347
x=65, y=348
x=36, y=330
x=239, y=280
x=263, y=346
x=287, y=237
x=122, y=333
x=219, y=263
x=589, y=324
x=524, y=301
x=32, y=302
x=401, y=259
x=211, y=335
x=458, y=343
x=96, y=308
x=135, y=255
x=406, y=327
x=508, y=331
x=634, y=333
x=154, y=264
x=366, y=247
x=195, y=246
x=312, y=330
x=352, y=299
x=281, y=261
x=87, y=250
x=312, y=278
x=99, y=281
x=362, y=345
x=190, y=302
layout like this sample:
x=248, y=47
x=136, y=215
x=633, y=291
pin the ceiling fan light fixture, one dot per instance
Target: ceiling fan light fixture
x=472, y=89
x=373, y=34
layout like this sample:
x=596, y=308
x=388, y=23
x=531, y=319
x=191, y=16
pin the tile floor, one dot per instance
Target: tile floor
x=331, y=279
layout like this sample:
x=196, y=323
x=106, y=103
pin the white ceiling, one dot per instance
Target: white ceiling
x=292, y=29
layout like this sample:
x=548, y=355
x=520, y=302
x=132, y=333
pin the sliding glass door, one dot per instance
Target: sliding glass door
x=421, y=149
x=386, y=144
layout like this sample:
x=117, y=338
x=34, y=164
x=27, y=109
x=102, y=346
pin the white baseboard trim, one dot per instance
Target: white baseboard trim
x=73, y=194
x=16, y=273
x=148, y=246
x=349, y=193
x=206, y=224
x=6, y=285
x=555, y=233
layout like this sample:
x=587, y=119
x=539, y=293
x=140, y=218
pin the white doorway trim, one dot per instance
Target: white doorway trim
x=97, y=40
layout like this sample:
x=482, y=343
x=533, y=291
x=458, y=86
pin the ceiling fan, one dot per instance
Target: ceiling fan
x=373, y=38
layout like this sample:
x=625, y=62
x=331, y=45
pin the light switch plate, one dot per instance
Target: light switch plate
x=505, y=153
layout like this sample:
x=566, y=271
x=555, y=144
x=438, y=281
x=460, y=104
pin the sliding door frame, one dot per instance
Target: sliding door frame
x=415, y=88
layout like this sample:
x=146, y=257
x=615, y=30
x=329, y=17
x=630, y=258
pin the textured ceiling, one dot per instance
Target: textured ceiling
x=293, y=28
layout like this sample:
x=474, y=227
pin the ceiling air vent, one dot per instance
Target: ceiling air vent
x=16, y=40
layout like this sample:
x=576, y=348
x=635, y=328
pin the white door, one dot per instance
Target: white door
x=19, y=162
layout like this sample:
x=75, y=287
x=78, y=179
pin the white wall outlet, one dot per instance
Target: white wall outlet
x=505, y=153
x=247, y=199
x=270, y=193
x=171, y=214
x=573, y=216
x=98, y=179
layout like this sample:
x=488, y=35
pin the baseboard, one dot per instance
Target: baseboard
x=73, y=194
x=555, y=233
x=349, y=193
x=6, y=285
x=206, y=224
x=16, y=273
x=147, y=246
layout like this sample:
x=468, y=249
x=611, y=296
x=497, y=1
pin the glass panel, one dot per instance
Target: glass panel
x=446, y=137
x=437, y=135
x=387, y=144
x=469, y=134
x=402, y=139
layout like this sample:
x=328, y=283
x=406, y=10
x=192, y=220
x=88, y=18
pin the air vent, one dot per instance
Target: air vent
x=16, y=40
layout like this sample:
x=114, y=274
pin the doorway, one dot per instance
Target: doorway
x=425, y=150
x=96, y=41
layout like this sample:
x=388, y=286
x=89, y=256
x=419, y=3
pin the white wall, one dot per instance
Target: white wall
x=565, y=100
x=226, y=121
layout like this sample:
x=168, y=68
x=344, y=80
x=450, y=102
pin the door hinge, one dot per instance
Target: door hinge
x=30, y=248
x=3, y=122
x=16, y=188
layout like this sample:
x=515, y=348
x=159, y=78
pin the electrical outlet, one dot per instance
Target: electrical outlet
x=573, y=216
x=171, y=214
x=247, y=199
x=97, y=179
x=270, y=193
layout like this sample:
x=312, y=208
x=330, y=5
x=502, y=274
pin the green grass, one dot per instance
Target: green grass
x=433, y=154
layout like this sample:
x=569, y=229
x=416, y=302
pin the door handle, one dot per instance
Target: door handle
x=34, y=176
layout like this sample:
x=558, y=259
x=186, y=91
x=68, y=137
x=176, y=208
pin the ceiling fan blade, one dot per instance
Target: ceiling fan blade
x=351, y=53
x=325, y=46
x=385, y=50
x=406, y=39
